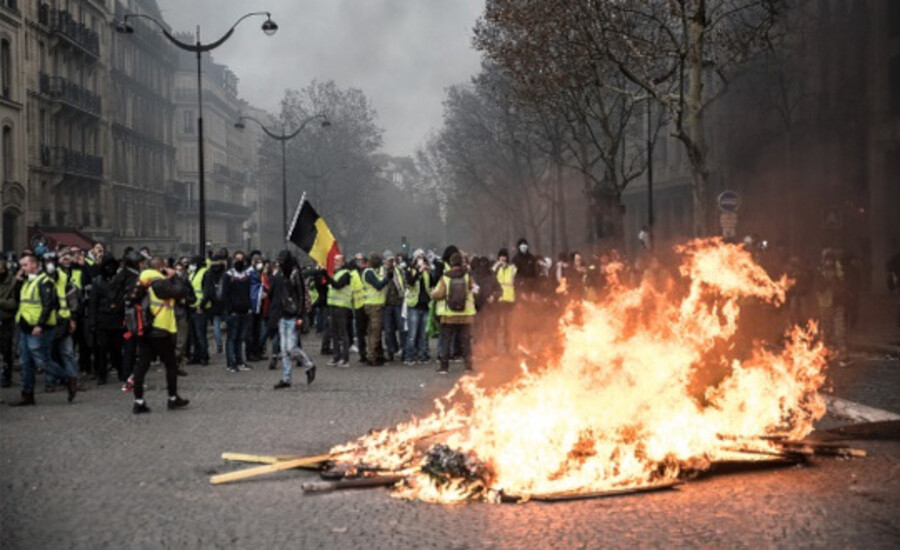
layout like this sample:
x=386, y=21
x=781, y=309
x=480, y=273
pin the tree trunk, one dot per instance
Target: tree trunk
x=696, y=146
x=561, y=206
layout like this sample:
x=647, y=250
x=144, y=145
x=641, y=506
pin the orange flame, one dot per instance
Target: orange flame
x=649, y=382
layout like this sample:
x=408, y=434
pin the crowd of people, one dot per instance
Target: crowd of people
x=79, y=315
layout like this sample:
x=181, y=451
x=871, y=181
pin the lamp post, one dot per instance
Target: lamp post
x=283, y=138
x=268, y=27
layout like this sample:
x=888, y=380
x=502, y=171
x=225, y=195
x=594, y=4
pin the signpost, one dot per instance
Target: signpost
x=729, y=202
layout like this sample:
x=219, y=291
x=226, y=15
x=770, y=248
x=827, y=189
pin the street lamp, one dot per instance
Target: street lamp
x=283, y=138
x=268, y=27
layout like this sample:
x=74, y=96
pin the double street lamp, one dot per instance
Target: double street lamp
x=268, y=27
x=283, y=137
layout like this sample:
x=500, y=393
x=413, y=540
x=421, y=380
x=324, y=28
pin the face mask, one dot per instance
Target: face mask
x=32, y=276
x=50, y=269
x=259, y=266
x=523, y=248
x=192, y=268
x=239, y=265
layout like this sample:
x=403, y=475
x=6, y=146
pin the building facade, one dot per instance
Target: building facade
x=13, y=144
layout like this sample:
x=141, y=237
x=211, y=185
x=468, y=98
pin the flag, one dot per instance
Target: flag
x=309, y=232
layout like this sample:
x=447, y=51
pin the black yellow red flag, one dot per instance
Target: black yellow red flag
x=311, y=234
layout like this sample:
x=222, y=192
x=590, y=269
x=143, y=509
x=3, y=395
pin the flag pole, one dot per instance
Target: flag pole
x=287, y=237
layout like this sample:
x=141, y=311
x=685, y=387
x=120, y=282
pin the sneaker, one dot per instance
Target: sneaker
x=244, y=367
x=176, y=403
x=310, y=374
x=354, y=349
x=182, y=372
x=282, y=384
x=72, y=387
x=443, y=370
x=140, y=408
x=344, y=364
x=456, y=359
x=409, y=363
x=333, y=363
x=233, y=369
x=272, y=363
x=128, y=385
x=424, y=361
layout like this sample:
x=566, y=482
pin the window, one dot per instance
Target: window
x=5, y=69
x=7, y=151
x=188, y=122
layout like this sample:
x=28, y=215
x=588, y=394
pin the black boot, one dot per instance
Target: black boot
x=27, y=399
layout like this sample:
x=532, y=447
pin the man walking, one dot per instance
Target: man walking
x=287, y=307
x=36, y=318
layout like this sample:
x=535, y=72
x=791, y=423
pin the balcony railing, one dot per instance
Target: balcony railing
x=10, y=5
x=64, y=90
x=62, y=23
x=72, y=162
x=223, y=171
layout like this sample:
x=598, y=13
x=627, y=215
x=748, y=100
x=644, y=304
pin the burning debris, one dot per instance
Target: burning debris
x=651, y=387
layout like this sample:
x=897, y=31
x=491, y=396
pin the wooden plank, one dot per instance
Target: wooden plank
x=363, y=483
x=582, y=495
x=267, y=469
x=258, y=459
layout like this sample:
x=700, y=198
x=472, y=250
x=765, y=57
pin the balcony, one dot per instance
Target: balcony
x=11, y=6
x=63, y=24
x=72, y=162
x=236, y=176
x=71, y=94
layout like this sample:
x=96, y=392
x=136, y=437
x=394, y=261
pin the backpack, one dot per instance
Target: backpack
x=140, y=322
x=458, y=293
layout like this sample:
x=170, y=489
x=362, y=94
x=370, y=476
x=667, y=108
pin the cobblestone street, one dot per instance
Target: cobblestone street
x=92, y=475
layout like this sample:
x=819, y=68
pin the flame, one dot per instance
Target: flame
x=649, y=383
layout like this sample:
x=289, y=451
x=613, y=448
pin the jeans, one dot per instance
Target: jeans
x=287, y=336
x=63, y=352
x=199, y=342
x=362, y=327
x=236, y=327
x=416, y=339
x=217, y=332
x=34, y=352
x=393, y=323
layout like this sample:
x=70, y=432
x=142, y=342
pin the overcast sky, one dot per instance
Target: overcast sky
x=401, y=53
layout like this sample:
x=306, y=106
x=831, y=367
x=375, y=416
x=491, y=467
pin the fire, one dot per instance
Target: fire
x=650, y=383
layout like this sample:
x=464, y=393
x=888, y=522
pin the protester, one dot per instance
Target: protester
x=105, y=315
x=7, y=320
x=340, y=302
x=393, y=316
x=158, y=287
x=289, y=302
x=456, y=308
x=236, y=305
x=36, y=318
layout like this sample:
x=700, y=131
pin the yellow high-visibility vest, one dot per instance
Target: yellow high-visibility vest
x=371, y=295
x=197, y=285
x=357, y=289
x=506, y=276
x=62, y=281
x=412, y=295
x=163, y=311
x=441, y=308
x=340, y=297
x=30, y=306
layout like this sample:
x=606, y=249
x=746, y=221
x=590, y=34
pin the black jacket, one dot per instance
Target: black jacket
x=106, y=307
x=236, y=292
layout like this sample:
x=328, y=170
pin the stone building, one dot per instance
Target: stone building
x=225, y=154
x=141, y=115
x=13, y=151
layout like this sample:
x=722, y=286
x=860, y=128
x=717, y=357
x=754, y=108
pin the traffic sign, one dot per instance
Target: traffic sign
x=729, y=201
